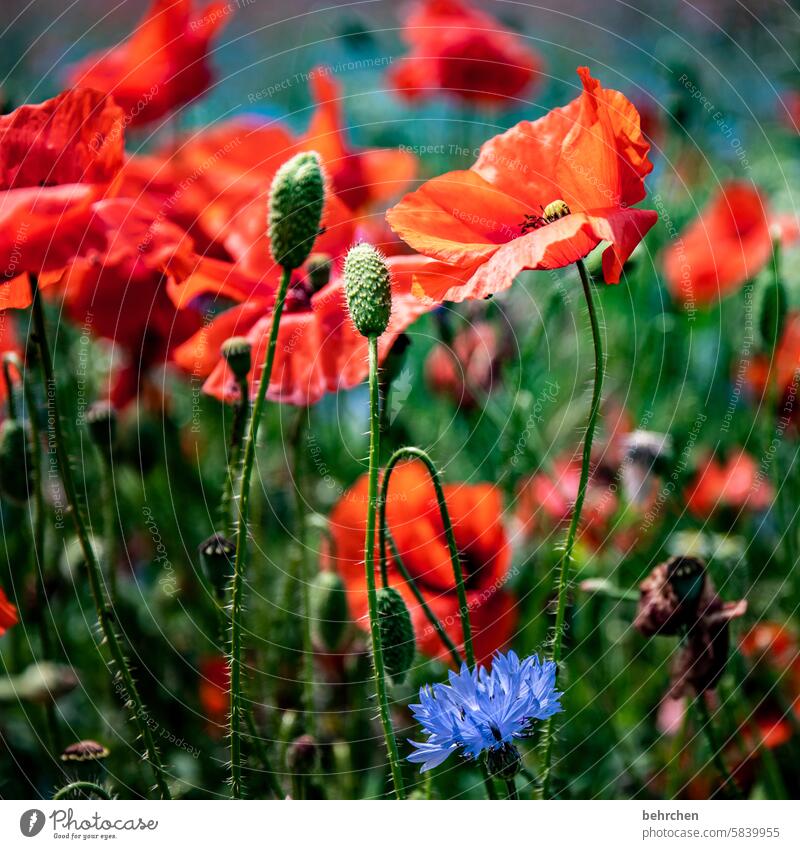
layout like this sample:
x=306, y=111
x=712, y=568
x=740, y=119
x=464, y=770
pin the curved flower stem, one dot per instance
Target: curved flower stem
x=566, y=557
x=413, y=452
x=240, y=561
x=458, y=573
x=373, y=499
x=511, y=789
x=713, y=744
x=85, y=786
x=105, y=617
x=431, y=616
x=302, y=572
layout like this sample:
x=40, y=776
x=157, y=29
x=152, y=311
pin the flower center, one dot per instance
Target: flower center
x=552, y=212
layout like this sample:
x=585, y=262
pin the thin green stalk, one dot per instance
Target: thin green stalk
x=716, y=753
x=302, y=572
x=566, y=557
x=105, y=617
x=458, y=572
x=369, y=565
x=234, y=453
x=109, y=501
x=431, y=616
x=240, y=561
x=85, y=787
x=511, y=789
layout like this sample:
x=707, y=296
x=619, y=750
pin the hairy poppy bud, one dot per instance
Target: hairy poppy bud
x=329, y=604
x=84, y=750
x=301, y=756
x=368, y=287
x=319, y=270
x=16, y=471
x=770, y=304
x=236, y=352
x=397, y=633
x=504, y=762
x=101, y=419
x=216, y=556
x=295, y=209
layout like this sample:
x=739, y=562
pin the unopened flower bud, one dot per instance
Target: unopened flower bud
x=368, y=287
x=101, y=419
x=237, y=354
x=330, y=611
x=504, y=762
x=295, y=209
x=397, y=633
x=217, y=554
x=85, y=750
x=301, y=756
x=770, y=303
x=319, y=270
x=16, y=468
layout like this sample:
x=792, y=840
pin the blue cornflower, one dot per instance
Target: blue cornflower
x=480, y=711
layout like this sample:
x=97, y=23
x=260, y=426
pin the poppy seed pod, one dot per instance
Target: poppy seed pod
x=319, y=270
x=84, y=750
x=368, y=286
x=329, y=604
x=295, y=209
x=16, y=472
x=216, y=555
x=236, y=352
x=101, y=419
x=397, y=633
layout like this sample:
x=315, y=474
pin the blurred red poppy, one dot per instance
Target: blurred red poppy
x=319, y=349
x=162, y=66
x=8, y=613
x=783, y=372
x=463, y=52
x=414, y=521
x=56, y=159
x=469, y=366
x=770, y=641
x=545, y=502
x=122, y=294
x=726, y=246
x=483, y=226
x=733, y=484
x=214, y=688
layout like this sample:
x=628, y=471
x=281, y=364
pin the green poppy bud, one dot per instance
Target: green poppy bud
x=368, y=287
x=236, y=352
x=329, y=606
x=217, y=554
x=319, y=270
x=16, y=472
x=397, y=633
x=295, y=209
x=770, y=305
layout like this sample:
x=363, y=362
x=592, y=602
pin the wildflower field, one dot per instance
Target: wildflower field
x=399, y=400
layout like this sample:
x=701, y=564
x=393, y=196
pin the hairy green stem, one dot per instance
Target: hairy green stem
x=240, y=562
x=105, y=617
x=716, y=753
x=369, y=564
x=234, y=454
x=81, y=786
x=566, y=557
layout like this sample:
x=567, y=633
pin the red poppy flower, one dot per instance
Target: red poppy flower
x=318, y=350
x=771, y=641
x=162, y=66
x=461, y=51
x=785, y=366
x=545, y=502
x=122, y=294
x=8, y=613
x=726, y=246
x=55, y=160
x=483, y=226
x=214, y=688
x=413, y=518
x=471, y=364
x=733, y=484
